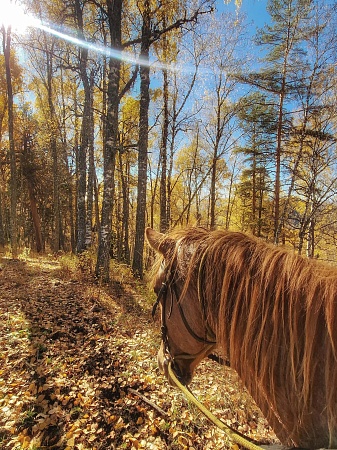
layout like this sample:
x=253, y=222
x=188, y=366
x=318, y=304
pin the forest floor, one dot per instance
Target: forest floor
x=78, y=368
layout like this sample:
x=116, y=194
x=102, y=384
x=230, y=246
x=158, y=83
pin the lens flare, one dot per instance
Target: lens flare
x=96, y=48
x=13, y=15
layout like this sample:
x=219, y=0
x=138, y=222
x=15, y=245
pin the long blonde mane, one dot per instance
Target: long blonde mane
x=275, y=314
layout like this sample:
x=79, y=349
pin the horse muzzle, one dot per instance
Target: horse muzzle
x=181, y=368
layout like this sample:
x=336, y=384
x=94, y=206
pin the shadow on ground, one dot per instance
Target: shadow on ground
x=65, y=361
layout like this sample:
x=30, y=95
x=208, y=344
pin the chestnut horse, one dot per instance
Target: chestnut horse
x=272, y=313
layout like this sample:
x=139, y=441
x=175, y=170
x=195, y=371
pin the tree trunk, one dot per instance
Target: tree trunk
x=36, y=218
x=219, y=129
x=164, y=142
x=2, y=232
x=231, y=196
x=85, y=130
x=213, y=187
x=56, y=196
x=137, y=264
x=13, y=172
x=277, y=230
x=29, y=173
x=111, y=142
x=311, y=239
x=163, y=158
x=254, y=184
x=56, y=244
x=91, y=167
x=125, y=210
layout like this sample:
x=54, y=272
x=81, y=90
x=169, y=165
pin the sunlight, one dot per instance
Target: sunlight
x=107, y=51
x=13, y=15
x=111, y=52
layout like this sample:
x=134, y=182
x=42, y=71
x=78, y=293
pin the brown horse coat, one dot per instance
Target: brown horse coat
x=274, y=315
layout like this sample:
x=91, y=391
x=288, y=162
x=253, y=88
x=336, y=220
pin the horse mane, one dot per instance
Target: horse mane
x=274, y=314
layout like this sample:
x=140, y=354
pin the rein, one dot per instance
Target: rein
x=235, y=436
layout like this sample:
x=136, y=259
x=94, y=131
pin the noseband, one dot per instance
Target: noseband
x=169, y=287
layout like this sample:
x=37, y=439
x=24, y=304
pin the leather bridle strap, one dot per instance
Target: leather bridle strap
x=167, y=285
x=162, y=294
x=187, y=325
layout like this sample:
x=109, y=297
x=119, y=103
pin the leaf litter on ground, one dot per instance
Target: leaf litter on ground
x=78, y=369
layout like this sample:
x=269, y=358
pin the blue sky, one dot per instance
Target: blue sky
x=255, y=11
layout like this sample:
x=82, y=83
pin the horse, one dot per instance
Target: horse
x=271, y=312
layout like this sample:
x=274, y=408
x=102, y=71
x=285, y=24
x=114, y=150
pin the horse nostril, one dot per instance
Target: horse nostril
x=183, y=376
x=177, y=371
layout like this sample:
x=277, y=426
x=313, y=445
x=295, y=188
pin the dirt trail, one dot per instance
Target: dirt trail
x=78, y=369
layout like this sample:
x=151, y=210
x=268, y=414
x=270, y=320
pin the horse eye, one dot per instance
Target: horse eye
x=157, y=287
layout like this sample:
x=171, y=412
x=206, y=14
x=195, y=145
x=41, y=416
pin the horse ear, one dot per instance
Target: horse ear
x=159, y=242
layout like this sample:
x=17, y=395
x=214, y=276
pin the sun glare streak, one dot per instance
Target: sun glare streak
x=13, y=15
x=107, y=51
x=110, y=52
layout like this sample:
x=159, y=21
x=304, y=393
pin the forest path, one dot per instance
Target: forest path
x=78, y=369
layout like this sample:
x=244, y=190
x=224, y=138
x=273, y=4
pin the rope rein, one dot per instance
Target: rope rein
x=232, y=434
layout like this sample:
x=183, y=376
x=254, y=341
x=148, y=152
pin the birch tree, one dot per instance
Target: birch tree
x=6, y=45
x=219, y=127
x=152, y=31
x=113, y=13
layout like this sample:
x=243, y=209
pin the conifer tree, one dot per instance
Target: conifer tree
x=258, y=122
x=282, y=39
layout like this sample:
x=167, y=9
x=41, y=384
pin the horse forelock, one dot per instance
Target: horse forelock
x=275, y=316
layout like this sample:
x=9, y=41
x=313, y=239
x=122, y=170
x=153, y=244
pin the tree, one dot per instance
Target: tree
x=219, y=108
x=290, y=26
x=164, y=219
x=150, y=33
x=313, y=89
x=85, y=132
x=86, y=174
x=29, y=169
x=6, y=44
x=45, y=54
x=137, y=263
x=316, y=184
x=234, y=168
x=16, y=83
x=190, y=166
x=178, y=88
x=258, y=122
x=114, y=16
x=126, y=180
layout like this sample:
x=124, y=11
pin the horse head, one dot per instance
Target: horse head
x=272, y=313
x=186, y=338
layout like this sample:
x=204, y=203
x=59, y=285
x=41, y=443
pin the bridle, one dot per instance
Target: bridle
x=169, y=289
